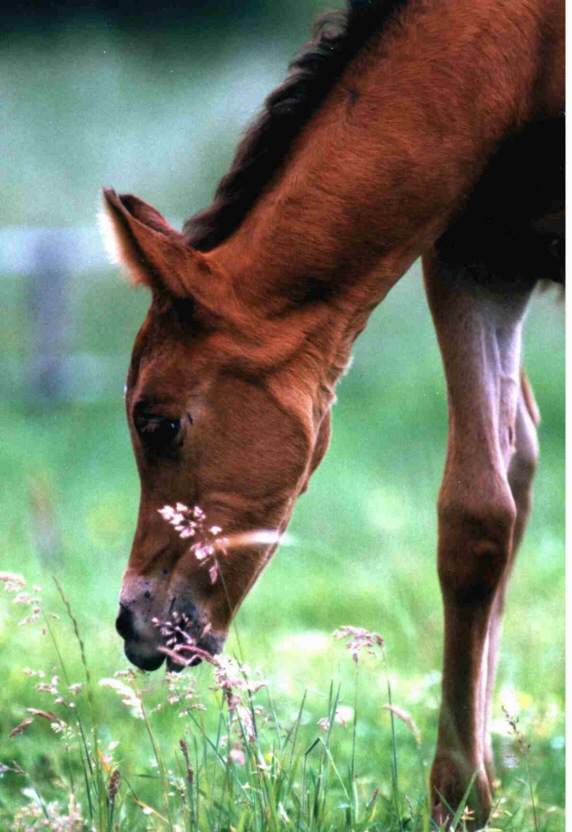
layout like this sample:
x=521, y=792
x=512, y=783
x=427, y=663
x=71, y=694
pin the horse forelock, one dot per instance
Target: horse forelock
x=262, y=152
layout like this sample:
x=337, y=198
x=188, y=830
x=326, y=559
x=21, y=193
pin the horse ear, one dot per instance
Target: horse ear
x=152, y=252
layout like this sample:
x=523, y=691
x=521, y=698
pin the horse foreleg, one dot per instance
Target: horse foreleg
x=520, y=476
x=478, y=323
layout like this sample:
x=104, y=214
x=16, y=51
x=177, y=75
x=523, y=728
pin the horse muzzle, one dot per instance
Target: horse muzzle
x=142, y=643
x=149, y=639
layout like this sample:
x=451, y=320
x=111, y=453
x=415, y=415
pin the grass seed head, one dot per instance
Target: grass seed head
x=192, y=523
x=113, y=785
x=359, y=639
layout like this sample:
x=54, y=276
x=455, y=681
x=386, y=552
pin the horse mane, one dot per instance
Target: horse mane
x=314, y=70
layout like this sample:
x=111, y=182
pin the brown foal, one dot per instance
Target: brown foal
x=426, y=128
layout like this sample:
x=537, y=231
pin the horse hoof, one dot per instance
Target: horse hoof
x=441, y=816
x=449, y=787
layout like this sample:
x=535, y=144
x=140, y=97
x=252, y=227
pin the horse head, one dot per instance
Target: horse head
x=224, y=434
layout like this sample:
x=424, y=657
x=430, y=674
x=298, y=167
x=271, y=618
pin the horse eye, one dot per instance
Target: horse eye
x=157, y=433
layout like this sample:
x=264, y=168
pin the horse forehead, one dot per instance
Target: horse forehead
x=169, y=371
x=164, y=349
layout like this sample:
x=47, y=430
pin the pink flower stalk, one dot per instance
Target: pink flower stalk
x=359, y=639
x=236, y=754
x=12, y=582
x=191, y=522
x=233, y=678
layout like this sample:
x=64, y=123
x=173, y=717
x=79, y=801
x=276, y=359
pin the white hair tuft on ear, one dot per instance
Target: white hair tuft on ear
x=109, y=236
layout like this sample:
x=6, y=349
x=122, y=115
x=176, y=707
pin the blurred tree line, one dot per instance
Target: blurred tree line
x=147, y=16
x=148, y=98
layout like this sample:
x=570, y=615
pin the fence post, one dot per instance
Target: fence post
x=48, y=289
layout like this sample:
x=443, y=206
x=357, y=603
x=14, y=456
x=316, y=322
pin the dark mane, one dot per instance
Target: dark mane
x=263, y=149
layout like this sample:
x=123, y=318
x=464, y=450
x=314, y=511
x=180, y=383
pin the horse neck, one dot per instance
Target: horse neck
x=378, y=172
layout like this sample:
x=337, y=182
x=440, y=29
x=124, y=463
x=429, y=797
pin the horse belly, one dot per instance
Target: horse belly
x=512, y=224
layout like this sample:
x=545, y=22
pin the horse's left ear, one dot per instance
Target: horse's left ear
x=152, y=252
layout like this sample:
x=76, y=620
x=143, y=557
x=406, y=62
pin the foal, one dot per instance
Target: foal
x=422, y=128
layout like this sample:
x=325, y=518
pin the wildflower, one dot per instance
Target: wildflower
x=17, y=583
x=30, y=619
x=236, y=754
x=58, y=727
x=358, y=640
x=50, y=816
x=233, y=677
x=240, y=715
x=231, y=673
x=324, y=723
x=23, y=598
x=29, y=672
x=50, y=687
x=182, y=692
x=12, y=582
x=343, y=714
x=468, y=815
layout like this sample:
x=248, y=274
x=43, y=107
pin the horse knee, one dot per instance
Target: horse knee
x=475, y=539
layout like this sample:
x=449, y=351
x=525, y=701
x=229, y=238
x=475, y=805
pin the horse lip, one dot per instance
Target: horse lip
x=148, y=662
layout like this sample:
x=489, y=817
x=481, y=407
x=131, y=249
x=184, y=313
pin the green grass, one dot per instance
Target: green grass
x=362, y=553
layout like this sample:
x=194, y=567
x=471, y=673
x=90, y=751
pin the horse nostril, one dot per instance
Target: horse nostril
x=124, y=623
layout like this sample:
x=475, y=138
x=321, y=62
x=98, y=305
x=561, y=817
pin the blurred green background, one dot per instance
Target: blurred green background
x=153, y=104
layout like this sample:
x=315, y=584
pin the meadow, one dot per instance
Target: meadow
x=360, y=552
x=361, y=546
